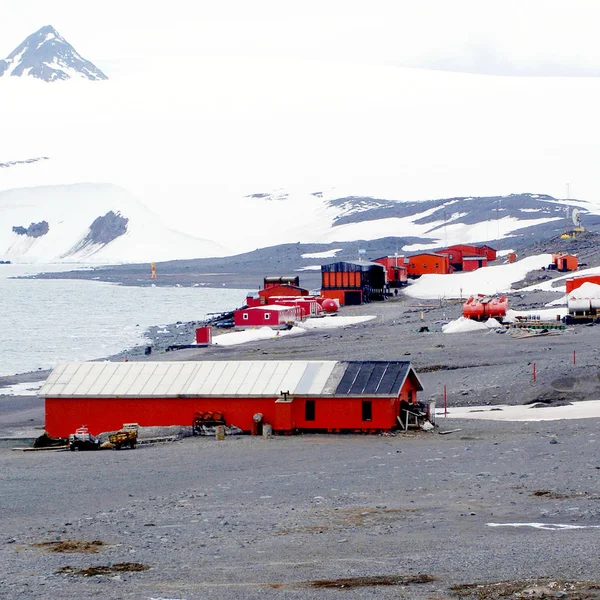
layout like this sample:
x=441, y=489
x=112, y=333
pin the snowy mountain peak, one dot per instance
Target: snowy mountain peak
x=46, y=55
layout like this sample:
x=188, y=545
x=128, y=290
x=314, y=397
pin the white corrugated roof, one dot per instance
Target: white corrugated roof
x=173, y=379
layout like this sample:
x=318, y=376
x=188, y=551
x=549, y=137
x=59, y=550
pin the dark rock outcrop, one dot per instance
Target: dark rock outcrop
x=35, y=230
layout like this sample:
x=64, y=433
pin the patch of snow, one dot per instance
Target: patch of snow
x=463, y=325
x=235, y=338
x=310, y=268
x=21, y=389
x=545, y=526
x=589, y=409
x=334, y=321
x=325, y=254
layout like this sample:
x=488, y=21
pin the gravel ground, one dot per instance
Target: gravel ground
x=403, y=516
x=254, y=518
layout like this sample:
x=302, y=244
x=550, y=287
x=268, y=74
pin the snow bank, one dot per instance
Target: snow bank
x=463, y=325
x=488, y=280
x=580, y=410
x=586, y=290
x=266, y=333
x=252, y=335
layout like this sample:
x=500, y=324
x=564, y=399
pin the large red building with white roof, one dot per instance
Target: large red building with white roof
x=292, y=396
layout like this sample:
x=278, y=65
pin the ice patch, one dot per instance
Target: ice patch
x=545, y=526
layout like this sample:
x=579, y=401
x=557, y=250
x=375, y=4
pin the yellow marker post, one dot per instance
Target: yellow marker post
x=153, y=271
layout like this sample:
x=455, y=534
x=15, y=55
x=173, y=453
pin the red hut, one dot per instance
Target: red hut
x=565, y=262
x=426, y=263
x=291, y=395
x=271, y=316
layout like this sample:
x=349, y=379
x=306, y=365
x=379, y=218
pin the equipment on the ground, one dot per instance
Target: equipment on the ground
x=82, y=439
x=203, y=420
x=123, y=438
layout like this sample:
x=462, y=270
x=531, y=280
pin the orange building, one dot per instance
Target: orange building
x=565, y=262
x=426, y=263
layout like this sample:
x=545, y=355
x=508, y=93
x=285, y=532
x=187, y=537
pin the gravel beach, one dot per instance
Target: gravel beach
x=416, y=515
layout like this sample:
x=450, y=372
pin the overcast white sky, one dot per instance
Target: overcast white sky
x=504, y=37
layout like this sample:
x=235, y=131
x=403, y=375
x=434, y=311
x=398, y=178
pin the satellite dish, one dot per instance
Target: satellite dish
x=576, y=218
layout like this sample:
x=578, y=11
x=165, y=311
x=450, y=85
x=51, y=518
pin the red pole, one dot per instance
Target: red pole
x=534, y=373
x=445, y=403
x=574, y=358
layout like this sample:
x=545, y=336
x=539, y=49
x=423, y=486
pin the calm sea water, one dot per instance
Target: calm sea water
x=44, y=322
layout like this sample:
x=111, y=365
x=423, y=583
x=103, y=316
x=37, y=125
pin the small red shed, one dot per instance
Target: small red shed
x=565, y=262
x=270, y=316
x=292, y=396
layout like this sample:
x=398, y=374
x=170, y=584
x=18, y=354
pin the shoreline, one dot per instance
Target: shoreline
x=480, y=367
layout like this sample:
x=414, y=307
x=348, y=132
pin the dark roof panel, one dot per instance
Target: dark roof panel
x=373, y=378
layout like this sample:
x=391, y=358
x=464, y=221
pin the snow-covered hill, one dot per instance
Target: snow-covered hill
x=88, y=223
x=255, y=153
x=46, y=55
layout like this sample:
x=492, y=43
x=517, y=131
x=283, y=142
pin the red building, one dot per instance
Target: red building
x=309, y=307
x=466, y=257
x=262, y=297
x=565, y=262
x=270, y=316
x=575, y=282
x=427, y=263
x=353, y=282
x=291, y=395
x=396, y=271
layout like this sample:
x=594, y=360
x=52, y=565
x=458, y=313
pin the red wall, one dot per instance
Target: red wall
x=421, y=264
x=64, y=415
